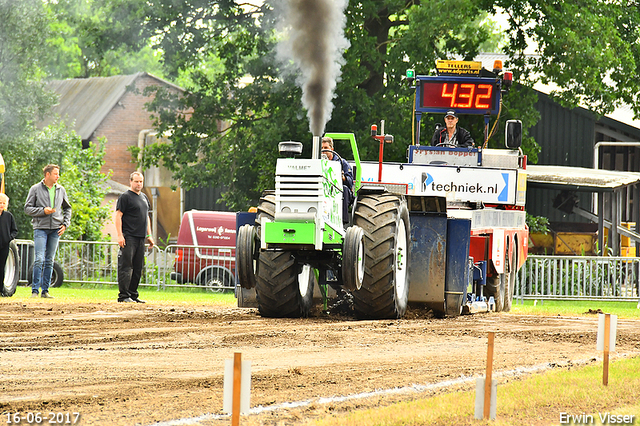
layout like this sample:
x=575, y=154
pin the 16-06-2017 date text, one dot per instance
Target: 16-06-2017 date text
x=38, y=418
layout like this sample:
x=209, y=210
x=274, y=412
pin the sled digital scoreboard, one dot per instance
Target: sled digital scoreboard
x=465, y=95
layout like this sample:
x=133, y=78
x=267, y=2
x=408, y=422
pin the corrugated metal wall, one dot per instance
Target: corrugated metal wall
x=567, y=139
x=566, y=136
x=204, y=199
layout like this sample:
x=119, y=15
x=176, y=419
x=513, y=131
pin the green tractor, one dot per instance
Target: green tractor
x=445, y=229
x=299, y=239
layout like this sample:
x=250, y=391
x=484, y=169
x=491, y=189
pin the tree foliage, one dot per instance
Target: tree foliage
x=79, y=174
x=588, y=49
x=99, y=38
x=386, y=38
x=86, y=188
x=24, y=101
x=230, y=130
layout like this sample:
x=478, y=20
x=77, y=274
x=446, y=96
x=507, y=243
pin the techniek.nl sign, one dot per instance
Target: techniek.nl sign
x=456, y=183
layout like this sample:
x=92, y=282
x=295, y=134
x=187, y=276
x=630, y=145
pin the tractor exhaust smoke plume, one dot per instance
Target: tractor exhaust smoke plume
x=315, y=45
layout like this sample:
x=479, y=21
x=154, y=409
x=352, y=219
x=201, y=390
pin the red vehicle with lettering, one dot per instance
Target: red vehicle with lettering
x=206, y=250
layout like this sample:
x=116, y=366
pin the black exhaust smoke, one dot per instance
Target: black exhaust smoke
x=315, y=45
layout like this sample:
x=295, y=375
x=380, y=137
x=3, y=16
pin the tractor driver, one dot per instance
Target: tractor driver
x=452, y=134
x=347, y=176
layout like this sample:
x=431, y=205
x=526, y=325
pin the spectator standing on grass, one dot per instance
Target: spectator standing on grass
x=133, y=229
x=50, y=212
x=8, y=232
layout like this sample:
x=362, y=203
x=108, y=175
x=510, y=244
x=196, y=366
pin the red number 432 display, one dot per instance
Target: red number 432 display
x=472, y=97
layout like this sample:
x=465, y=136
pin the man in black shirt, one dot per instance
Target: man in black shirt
x=133, y=229
x=452, y=134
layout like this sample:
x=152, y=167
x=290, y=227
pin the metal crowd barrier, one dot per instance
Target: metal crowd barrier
x=96, y=263
x=213, y=268
x=579, y=278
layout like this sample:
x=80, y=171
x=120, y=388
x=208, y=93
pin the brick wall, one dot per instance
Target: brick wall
x=122, y=127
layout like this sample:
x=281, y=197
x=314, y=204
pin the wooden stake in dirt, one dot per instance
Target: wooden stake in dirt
x=606, y=341
x=605, y=367
x=488, y=377
x=237, y=374
x=487, y=388
x=237, y=387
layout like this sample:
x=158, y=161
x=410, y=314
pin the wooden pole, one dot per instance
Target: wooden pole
x=605, y=363
x=237, y=372
x=488, y=377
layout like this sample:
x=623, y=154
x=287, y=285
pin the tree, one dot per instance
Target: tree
x=86, y=188
x=587, y=48
x=23, y=98
x=99, y=38
x=24, y=101
x=386, y=38
x=24, y=163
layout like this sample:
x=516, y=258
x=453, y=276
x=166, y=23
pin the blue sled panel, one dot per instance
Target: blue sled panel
x=244, y=218
x=427, y=261
x=457, y=270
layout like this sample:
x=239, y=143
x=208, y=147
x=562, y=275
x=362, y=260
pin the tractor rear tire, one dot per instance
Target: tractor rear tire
x=11, y=271
x=282, y=290
x=384, y=219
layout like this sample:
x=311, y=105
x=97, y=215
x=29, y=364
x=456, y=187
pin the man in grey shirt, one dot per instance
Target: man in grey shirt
x=50, y=212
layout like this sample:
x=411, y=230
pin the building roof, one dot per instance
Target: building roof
x=114, y=187
x=580, y=178
x=86, y=102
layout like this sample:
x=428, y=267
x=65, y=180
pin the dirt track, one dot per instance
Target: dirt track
x=118, y=364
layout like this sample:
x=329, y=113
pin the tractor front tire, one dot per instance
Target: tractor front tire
x=384, y=218
x=282, y=290
x=501, y=286
x=57, y=275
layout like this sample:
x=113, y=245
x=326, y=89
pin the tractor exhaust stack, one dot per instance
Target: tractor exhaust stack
x=315, y=154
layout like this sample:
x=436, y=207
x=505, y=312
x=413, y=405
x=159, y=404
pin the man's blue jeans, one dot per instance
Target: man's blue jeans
x=45, y=242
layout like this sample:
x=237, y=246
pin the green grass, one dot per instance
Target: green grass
x=536, y=400
x=102, y=294
x=105, y=293
x=579, y=308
